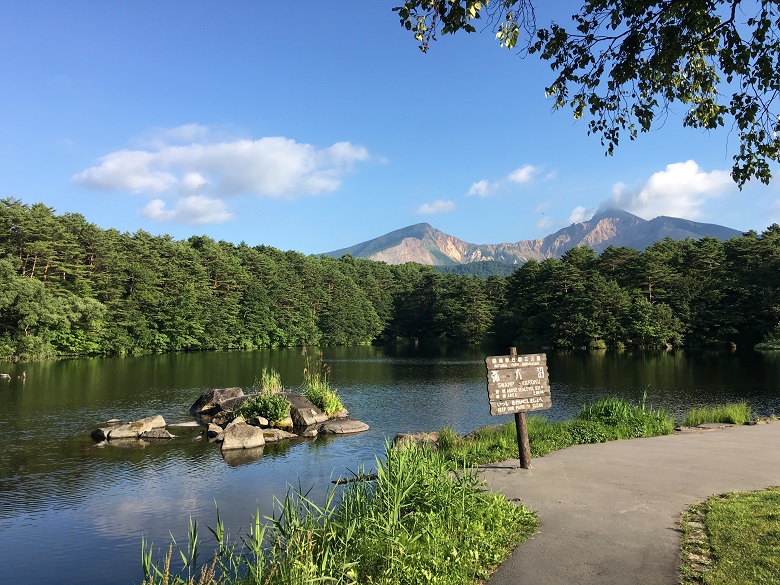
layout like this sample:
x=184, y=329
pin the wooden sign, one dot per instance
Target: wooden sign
x=518, y=383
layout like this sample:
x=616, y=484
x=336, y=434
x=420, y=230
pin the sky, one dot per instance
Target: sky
x=321, y=125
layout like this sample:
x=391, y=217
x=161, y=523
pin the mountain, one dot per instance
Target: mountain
x=424, y=244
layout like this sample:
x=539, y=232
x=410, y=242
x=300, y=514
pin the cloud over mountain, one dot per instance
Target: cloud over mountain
x=681, y=190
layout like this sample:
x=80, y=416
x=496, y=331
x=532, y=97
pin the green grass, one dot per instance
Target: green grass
x=733, y=539
x=270, y=382
x=417, y=523
x=737, y=414
x=606, y=420
x=317, y=388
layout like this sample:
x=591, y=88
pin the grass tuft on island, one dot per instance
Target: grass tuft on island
x=732, y=539
x=606, y=420
x=418, y=522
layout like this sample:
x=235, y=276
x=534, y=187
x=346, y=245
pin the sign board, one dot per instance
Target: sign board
x=518, y=383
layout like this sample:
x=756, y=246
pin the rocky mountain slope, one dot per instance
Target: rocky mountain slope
x=424, y=244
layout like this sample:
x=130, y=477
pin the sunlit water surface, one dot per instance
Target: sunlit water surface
x=71, y=512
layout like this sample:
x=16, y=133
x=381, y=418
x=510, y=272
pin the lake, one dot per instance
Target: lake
x=72, y=512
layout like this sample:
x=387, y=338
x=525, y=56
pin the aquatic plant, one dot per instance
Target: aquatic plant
x=316, y=385
x=416, y=523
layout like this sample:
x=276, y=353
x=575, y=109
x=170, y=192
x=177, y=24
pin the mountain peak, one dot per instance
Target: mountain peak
x=424, y=244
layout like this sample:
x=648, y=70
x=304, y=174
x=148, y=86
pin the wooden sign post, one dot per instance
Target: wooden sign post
x=517, y=384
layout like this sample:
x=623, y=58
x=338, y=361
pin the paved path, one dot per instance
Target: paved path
x=608, y=512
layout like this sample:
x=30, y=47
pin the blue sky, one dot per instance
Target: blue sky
x=318, y=126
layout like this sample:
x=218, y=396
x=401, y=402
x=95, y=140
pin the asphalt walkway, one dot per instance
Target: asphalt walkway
x=609, y=511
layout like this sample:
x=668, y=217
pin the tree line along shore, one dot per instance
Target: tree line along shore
x=70, y=288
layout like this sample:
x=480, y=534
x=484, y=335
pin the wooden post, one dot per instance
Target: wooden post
x=523, y=445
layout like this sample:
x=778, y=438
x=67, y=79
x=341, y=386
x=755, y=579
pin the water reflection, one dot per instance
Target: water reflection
x=101, y=500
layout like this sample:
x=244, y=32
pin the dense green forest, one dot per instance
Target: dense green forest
x=68, y=287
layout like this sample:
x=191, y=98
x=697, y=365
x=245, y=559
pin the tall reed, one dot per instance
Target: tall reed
x=417, y=523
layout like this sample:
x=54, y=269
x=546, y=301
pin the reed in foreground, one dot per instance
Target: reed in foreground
x=736, y=414
x=417, y=523
x=606, y=420
x=739, y=542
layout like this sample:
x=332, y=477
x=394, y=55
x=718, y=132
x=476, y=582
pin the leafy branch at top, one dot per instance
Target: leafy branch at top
x=625, y=62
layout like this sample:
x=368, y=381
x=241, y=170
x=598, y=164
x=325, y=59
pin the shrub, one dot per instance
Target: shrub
x=274, y=407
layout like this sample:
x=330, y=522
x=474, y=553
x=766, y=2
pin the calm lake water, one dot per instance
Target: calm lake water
x=71, y=512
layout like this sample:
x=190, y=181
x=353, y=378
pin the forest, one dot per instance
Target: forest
x=70, y=288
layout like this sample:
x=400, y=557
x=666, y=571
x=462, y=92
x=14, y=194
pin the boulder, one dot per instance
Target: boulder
x=420, y=439
x=303, y=412
x=135, y=428
x=258, y=421
x=215, y=432
x=184, y=424
x=239, y=420
x=222, y=418
x=308, y=432
x=101, y=434
x=212, y=401
x=242, y=436
x=274, y=435
x=156, y=434
x=285, y=423
x=342, y=426
x=231, y=404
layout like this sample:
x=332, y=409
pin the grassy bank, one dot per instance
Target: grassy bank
x=416, y=523
x=732, y=539
x=736, y=414
x=606, y=420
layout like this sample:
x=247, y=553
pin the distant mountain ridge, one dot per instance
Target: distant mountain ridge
x=424, y=244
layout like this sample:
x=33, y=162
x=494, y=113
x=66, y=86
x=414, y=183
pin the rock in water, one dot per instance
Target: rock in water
x=274, y=435
x=135, y=428
x=212, y=401
x=343, y=426
x=156, y=434
x=303, y=412
x=242, y=436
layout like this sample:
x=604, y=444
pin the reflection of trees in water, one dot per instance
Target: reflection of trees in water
x=51, y=471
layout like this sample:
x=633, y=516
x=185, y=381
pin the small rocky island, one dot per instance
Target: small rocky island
x=215, y=412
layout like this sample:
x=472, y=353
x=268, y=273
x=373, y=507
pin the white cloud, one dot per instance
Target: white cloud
x=580, y=214
x=193, y=210
x=520, y=176
x=524, y=174
x=127, y=170
x=438, y=206
x=681, y=190
x=269, y=167
x=195, y=166
x=481, y=188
